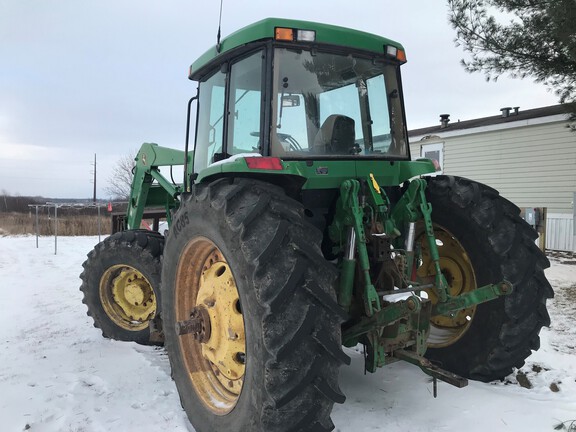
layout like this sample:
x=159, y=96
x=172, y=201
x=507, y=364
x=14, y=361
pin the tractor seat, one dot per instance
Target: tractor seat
x=336, y=136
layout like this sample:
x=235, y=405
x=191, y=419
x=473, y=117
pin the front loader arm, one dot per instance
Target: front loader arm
x=150, y=189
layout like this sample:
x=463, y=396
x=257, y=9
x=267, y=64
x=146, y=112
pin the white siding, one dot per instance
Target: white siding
x=560, y=233
x=533, y=166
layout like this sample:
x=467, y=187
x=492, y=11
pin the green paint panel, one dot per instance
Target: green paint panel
x=330, y=174
x=264, y=29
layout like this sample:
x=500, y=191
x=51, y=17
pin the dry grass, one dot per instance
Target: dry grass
x=68, y=225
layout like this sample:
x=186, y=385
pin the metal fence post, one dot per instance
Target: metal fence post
x=574, y=222
x=37, y=230
x=55, y=229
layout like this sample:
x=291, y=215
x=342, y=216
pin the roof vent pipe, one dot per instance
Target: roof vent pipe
x=505, y=111
x=444, y=119
x=516, y=109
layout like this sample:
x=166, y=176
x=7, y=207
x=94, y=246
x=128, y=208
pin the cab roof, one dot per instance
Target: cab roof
x=265, y=29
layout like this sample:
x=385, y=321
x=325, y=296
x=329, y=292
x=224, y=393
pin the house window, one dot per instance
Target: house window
x=434, y=152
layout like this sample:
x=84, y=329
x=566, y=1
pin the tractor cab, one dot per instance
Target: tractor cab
x=300, y=91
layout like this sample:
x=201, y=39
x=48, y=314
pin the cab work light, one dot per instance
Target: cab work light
x=289, y=34
x=264, y=163
x=306, y=35
x=395, y=53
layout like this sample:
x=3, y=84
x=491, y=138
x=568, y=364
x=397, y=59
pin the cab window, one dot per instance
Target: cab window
x=245, y=104
x=209, y=136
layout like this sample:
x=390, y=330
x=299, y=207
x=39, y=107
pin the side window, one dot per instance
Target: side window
x=379, y=107
x=398, y=142
x=209, y=136
x=245, y=105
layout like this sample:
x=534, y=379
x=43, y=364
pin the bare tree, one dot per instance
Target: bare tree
x=120, y=181
x=4, y=195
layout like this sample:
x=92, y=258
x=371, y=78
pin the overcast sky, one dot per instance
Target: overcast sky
x=79, y=77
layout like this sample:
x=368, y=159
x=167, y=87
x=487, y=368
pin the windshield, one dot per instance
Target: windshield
x=336, y=105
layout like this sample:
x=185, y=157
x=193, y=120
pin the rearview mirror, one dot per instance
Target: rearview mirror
x=290, y=101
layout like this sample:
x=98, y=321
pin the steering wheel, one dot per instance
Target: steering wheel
x=294, y=144
x=286, y=138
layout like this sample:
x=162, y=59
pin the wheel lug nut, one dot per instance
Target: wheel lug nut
x=240, y=357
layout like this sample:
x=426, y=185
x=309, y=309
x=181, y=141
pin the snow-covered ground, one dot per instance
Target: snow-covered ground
x=58, y=374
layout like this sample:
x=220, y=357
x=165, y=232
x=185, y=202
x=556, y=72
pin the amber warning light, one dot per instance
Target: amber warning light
x=290, y=34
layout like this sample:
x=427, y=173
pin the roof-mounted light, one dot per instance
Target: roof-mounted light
x=290, y=34
x=401, y=56
x=306, y=35
x=395, y=53
x=285, y=34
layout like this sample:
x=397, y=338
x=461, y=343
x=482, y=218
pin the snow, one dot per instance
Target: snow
x=58, y=374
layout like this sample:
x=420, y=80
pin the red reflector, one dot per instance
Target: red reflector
x=264, y=163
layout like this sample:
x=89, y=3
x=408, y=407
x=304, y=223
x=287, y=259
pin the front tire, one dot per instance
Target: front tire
x=121, y=286
x=482, y=240
x=267, y=358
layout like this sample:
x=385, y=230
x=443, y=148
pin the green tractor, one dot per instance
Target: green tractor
x=302, y=225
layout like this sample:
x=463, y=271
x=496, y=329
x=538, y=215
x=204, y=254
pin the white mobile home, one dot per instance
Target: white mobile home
x=528, y=156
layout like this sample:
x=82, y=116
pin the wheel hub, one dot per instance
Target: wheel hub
x=210, y=325
x=226, y=343
x=459, y=274
x=198, y=325
x=132, y=293
x=127, y=297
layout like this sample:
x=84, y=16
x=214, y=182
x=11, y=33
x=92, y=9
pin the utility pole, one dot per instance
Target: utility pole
x=94, y=196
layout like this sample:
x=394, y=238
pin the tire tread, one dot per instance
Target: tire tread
x=511, y=239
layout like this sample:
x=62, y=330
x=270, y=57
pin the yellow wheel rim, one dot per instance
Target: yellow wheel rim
x=216, y=364
x=459, y=273
x=127, y=297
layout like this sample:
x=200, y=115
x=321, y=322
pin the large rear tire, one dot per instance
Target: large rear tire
x=266, y=357
x=483, y=240
x=121, y=286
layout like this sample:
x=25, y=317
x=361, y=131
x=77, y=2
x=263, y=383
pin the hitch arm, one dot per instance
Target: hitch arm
x=352, y=217
x=472, y=298
x=410, y=208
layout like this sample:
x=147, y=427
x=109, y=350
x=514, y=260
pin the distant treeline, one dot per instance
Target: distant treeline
x=21, y=204
x=18, y=204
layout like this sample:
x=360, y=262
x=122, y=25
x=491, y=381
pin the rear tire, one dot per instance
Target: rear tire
x=121, y=286
x=499, y=245
x=291, y=320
